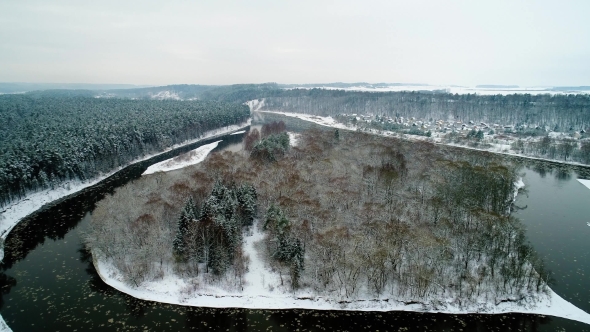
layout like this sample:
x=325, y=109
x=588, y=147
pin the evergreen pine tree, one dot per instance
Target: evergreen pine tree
x=187, y=215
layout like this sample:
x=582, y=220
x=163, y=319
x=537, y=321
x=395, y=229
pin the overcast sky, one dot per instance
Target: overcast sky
x=527, y=43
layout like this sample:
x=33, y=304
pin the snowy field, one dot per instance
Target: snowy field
x=190, y=158
x=263, y=290
x=454, y=89
x=326, y=121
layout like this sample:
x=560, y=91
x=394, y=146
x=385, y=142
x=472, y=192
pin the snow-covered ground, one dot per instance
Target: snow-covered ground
x=455, y=89
x=586, y=183
x=190, y=158
x=263, y=290
x=238, y=132
x=163, y=95
x=293, y=138
x=3, y=326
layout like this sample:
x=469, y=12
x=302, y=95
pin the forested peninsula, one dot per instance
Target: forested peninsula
x=343, y=215
x=48, y=138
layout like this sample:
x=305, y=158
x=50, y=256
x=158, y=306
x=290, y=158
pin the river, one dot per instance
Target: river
x=48, y=282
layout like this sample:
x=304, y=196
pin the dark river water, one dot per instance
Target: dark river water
x=48, y=282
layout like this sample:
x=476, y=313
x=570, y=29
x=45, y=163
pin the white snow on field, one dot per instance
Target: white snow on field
x=190, y=158
x=586, y=183
x=238, y=132
x=454, y=89
x=326, y=121
x=263, y=290
x=163, y=95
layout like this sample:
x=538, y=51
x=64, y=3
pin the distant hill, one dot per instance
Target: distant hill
x=18, y=87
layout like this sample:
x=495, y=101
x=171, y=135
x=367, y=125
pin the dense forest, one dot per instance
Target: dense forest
x=345, y=215
x=46, y=138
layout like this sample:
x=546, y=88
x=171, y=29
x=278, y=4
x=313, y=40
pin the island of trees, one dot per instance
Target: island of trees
x=344, y=215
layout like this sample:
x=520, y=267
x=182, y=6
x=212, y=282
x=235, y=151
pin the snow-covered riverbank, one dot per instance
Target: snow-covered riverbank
x=586, y=183
x=262, y=290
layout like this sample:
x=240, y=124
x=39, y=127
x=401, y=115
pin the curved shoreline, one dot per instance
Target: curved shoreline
x=552, y=305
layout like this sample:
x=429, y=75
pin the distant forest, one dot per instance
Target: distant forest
x=46, y=138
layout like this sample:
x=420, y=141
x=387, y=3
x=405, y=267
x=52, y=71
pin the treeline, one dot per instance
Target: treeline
x=557, y=112
x=45, y=140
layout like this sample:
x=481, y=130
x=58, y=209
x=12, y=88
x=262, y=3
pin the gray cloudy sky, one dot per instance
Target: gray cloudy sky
x=224, y=42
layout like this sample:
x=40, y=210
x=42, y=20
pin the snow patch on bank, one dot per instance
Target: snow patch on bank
x=190, y=158
x=3, y=326
x=326, y=121
x=586, y=183
x=262, y=290
x=238, y=132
